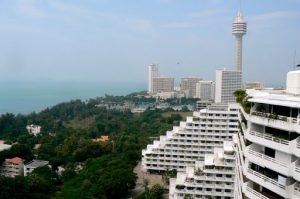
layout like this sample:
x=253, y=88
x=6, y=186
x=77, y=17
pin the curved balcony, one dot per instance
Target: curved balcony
x=296, y=170
x=290, y=147
x=267, y=182
x=286, y=191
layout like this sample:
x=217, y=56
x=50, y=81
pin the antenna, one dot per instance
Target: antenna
x=294, y=64
x=240, y=5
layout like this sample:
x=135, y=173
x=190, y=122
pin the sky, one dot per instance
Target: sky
x=116, y=40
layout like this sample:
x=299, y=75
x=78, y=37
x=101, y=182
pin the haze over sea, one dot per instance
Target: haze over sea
x=26, y=97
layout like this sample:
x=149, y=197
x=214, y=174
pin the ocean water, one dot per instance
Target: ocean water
x=26, y=97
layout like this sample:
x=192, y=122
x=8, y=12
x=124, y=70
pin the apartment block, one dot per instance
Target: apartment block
x=12, y=167
x=212, y=178
x=205, y=90
x=192, y=139
x=163, y=84
x=188, y=86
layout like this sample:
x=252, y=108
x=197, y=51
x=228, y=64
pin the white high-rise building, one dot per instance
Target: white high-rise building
x=271, y=163
x=212, y=178
x=227, y=82
x=188, y=86
x=239, y=29
x=205, y=90
x=152, y=73
x=193, y=139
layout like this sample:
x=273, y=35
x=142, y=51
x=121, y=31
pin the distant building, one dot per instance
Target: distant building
x=188, y=86
x=33, y=129
x=4, y=147
x=227, y=82
x=12, y=167
x=31, y=166
x=103, y=138
x=152, y=73
x=203, y=104
x=254, y=85
x=163, y=84
x=205, y=90
x=37, y=146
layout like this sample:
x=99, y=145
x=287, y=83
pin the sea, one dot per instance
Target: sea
x=24, y=97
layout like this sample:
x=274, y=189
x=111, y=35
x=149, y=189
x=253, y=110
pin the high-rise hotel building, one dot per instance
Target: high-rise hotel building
x=152, y=73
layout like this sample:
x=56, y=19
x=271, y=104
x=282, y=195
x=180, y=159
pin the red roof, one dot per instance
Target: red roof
x=15, y=160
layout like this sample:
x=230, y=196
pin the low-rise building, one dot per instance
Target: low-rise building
x=31, y=166
x=12, y=167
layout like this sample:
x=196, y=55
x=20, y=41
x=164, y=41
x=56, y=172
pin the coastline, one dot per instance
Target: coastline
x=26, y=97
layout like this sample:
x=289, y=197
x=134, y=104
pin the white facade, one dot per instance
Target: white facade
x=152, y=72
x=239, y=29
x=33, y=129
x=214, y=177
x=227, y=82
x=271, y=163
x=193, y=139
x=31, y=166
x=188, y=86
x=293, y=82
x=205, y=90
x=162, y=84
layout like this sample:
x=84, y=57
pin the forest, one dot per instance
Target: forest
x=66, y=139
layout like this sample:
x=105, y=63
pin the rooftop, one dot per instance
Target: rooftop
x=4, y=147
x=275, y=97
x=37, y=163
x=15, y=160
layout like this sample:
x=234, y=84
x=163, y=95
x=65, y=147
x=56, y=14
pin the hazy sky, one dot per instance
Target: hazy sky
x=112, y=40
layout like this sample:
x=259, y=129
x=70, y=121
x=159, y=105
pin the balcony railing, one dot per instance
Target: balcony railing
x=275, y=117
x=275, y=121
x=269, y=137
x=251, y=193
x=267, y=182
x=267, y=158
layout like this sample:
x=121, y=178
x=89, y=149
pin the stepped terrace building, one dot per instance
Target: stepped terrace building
x=212, y=178
x=193, y=139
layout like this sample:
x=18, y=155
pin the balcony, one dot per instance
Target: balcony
x=290, y=147
x=253, y=194
x=275, y=121
x=267, y=161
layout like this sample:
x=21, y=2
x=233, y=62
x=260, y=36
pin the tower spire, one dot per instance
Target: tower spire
x=239, y=29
